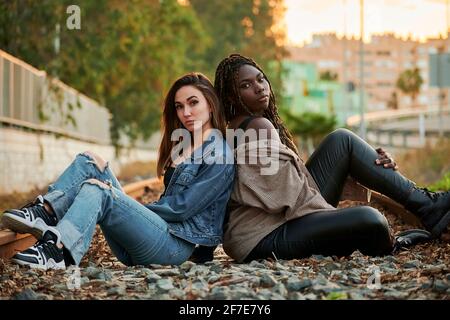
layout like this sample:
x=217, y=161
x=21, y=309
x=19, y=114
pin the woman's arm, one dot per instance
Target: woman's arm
x=203, y=190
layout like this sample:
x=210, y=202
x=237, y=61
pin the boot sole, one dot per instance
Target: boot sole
x=441, y=226
x=19, y=225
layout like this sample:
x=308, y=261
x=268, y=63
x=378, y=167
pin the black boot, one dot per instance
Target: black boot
x=410, y=238
x=202, y=254
x=432, y=208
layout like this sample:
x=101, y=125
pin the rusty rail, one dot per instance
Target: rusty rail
x=11, y=242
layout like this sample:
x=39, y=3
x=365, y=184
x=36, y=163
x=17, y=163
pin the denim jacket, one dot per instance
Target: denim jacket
x=195, y=200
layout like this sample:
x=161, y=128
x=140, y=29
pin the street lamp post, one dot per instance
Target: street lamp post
x=362, y=125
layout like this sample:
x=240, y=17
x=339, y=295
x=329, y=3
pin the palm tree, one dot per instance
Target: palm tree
x=409, y=82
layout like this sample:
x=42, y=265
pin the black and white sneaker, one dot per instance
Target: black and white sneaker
x=45, y=254
x=32, y=218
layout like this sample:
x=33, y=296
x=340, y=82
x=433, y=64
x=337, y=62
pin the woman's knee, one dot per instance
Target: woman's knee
x=372, y=218
x=97, y=160
x=339, y=137
x=341, y=133
x=375, y=224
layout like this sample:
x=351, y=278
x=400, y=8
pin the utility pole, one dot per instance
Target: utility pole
x=362, y=125
x=447, y=3
x=346, y=107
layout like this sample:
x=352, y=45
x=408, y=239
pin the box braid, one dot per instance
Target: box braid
x=226, y=84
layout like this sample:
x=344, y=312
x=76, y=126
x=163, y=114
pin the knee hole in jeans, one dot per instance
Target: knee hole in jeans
x=97, y=160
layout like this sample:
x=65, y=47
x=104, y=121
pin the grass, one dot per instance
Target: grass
x=429, y=166
x=441, y=185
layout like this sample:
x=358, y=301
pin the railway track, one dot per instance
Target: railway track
x=11, y=242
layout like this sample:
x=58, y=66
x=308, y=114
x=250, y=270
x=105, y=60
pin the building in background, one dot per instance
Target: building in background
x=305, y=91
x=385, y=58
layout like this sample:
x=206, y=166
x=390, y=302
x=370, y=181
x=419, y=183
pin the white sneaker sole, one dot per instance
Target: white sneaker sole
x=51, y=264
x=17, y=224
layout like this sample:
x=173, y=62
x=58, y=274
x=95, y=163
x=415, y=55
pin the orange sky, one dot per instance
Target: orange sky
x=421, y=18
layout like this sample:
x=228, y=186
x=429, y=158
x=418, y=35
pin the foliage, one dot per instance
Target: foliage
x=127, y=53
x=309, y=127
x=409, y=82
x=427, y=165
x=309, y=124
x=441, y=185
x=252, y=28
x=328, y=76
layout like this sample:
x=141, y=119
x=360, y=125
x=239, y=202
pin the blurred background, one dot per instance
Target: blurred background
x=91, y=75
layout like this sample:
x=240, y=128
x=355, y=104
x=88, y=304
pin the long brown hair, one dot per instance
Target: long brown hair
x=226, y=84
x=170, y=121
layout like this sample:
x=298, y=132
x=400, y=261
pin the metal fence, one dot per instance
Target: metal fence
x=31, y=99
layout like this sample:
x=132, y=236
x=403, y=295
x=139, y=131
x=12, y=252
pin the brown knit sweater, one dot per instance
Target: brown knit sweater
x=262, y=202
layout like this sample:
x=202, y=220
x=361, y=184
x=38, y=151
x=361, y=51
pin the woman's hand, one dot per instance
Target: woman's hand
x=385, y=159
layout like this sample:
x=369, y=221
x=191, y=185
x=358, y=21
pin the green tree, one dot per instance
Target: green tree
x=252, y=28
x=328, y=76
x=126, y=54
x=409, y=82
x=311, y=127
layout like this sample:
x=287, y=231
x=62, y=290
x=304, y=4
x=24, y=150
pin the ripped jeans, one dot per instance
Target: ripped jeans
x=86, y=194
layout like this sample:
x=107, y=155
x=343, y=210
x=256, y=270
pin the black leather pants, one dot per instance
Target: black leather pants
x=341, y=231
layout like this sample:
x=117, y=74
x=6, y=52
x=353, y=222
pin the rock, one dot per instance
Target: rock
x=164, y=284
x=267, y=280
x=26, y=294
x=297, y=284
x=216, y=268
x=411, y=264
x=91, y=272
x=119, y=291
x=219, y=293
x=440, y=285
x=391, y=259
x=355, y=295
x=167, y=272
x=254, y=282
x=177, y=294
x=152, y=277
x=281, y=289
x=396, y=294
x=256, y=264
x=106, y=276
x=214, y=278
x=296, y=296
x=310, y=296
x=326, y=287
x=264, y=294
x=197, y=270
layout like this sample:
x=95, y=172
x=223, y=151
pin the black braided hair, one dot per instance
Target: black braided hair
x=226, y=84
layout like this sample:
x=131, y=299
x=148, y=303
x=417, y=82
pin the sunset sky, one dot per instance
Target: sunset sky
x=421, y=18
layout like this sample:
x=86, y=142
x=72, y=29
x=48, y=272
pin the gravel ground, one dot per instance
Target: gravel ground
x=420, y=273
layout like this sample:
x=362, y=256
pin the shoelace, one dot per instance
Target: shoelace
x=48, y=247
x=38, y=201
x=432, y=195
x=39, y=210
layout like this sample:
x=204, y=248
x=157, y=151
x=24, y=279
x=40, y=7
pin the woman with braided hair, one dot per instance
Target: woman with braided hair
x=292, y=213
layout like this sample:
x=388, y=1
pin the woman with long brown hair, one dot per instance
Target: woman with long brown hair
x=198, y=171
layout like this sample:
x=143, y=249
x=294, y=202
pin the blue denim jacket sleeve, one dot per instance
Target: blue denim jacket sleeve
x=206, y=187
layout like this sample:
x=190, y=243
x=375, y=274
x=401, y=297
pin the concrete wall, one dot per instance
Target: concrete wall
x=30, y=160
